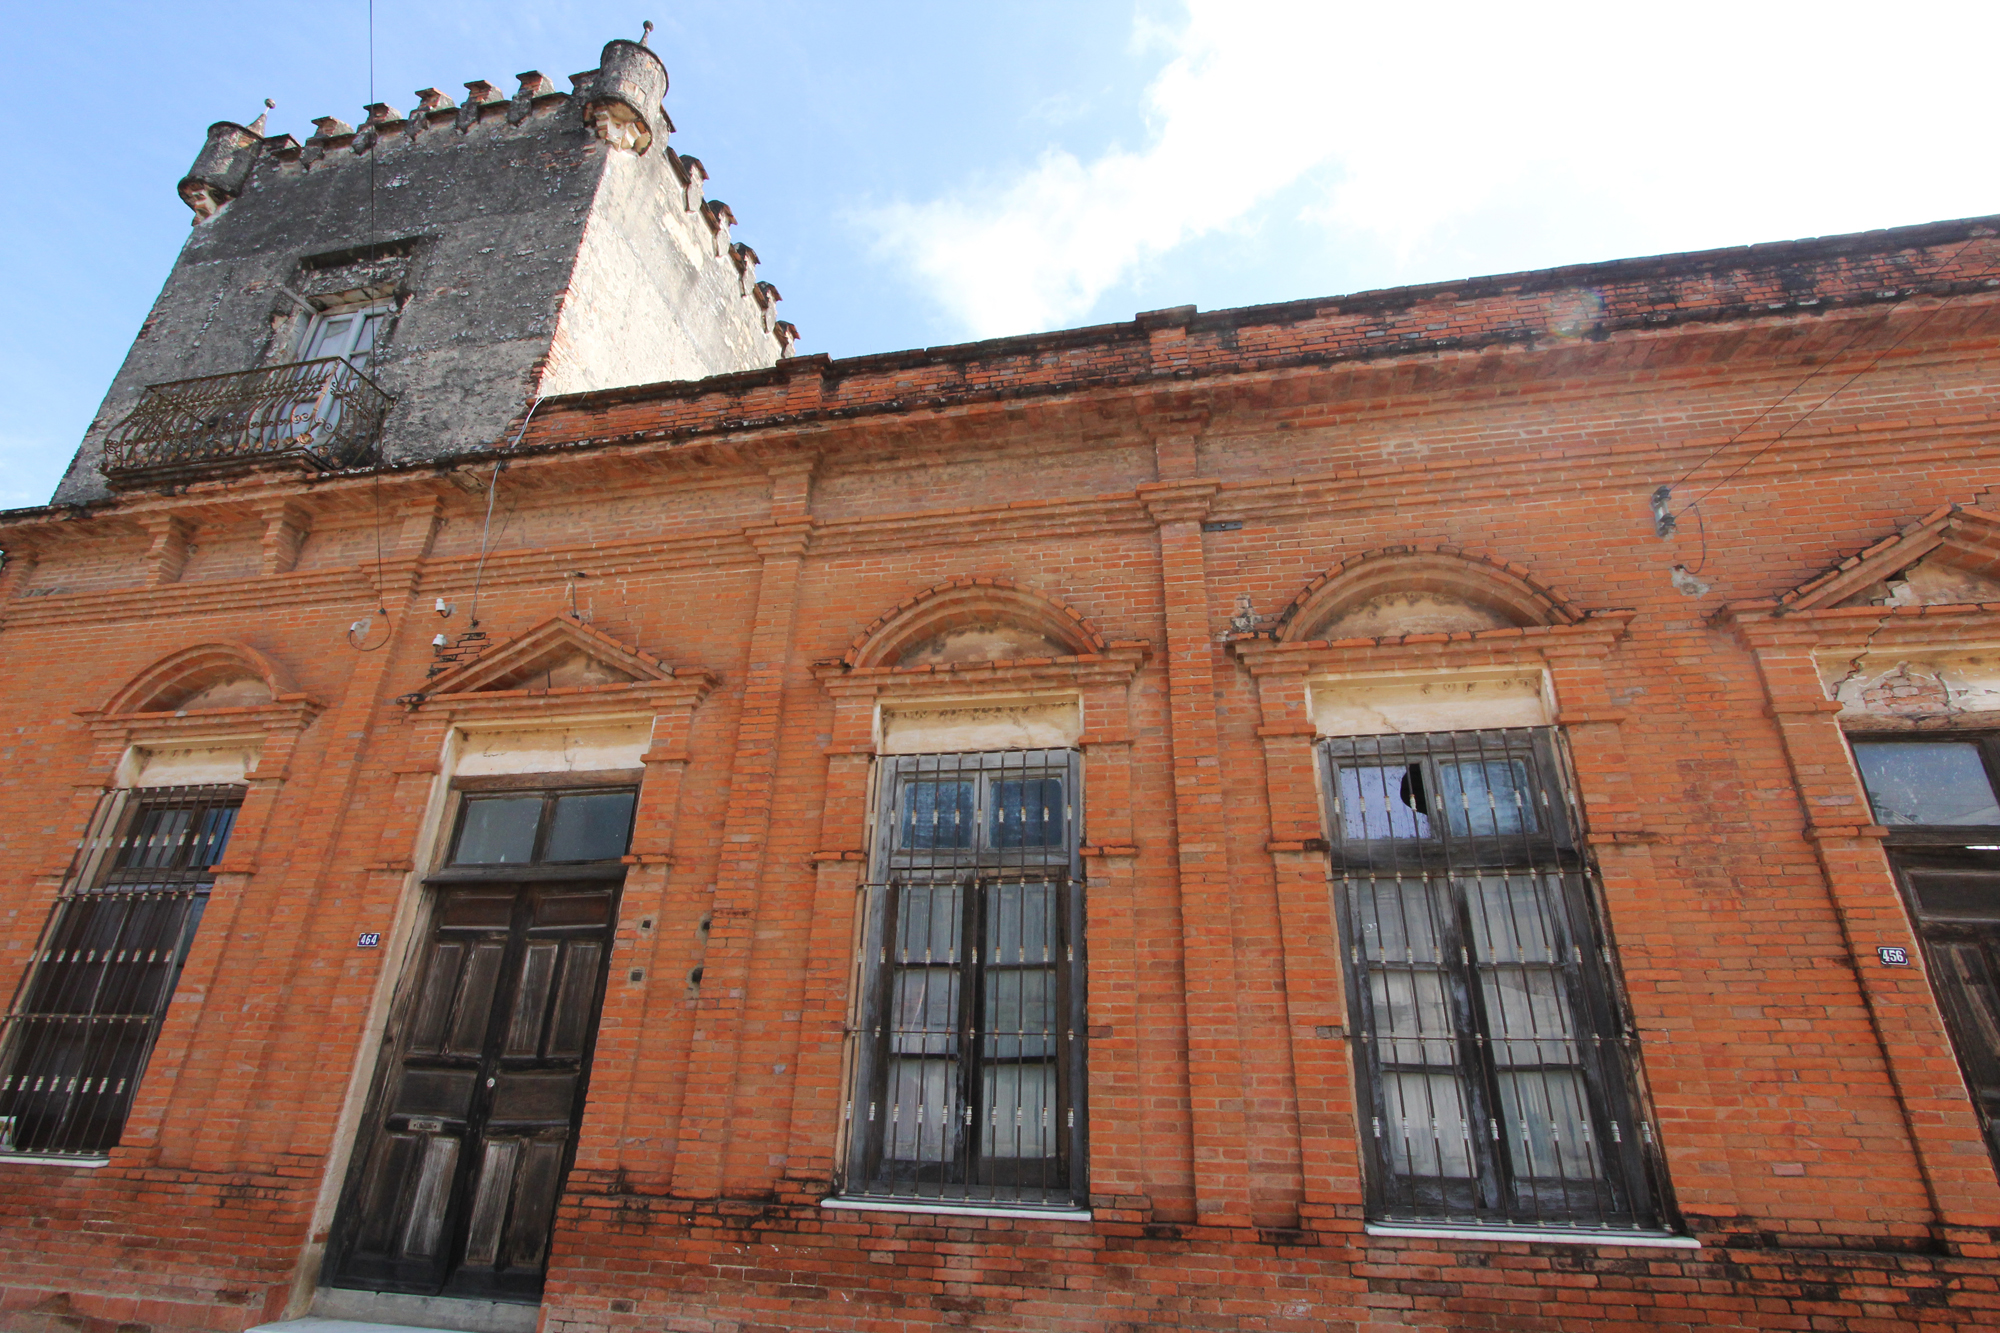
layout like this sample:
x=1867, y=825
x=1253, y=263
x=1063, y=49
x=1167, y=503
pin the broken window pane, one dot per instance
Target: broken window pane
x=1926, y=782
x=1384, y=802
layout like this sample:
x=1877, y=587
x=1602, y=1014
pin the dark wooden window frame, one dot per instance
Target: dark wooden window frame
x=1935, y=835
x=120, y=931
x=976, y=872
x=1630, y=1190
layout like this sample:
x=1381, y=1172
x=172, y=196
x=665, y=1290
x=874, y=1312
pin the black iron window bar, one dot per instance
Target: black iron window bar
x=323, y=414
x=84, y=1020
x=1497, y=1063
x=968, y=1049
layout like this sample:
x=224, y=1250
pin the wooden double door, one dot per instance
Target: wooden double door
x=473, y=1121
x=1956, y=894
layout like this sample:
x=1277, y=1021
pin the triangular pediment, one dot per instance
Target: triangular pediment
x=561, y=653
x=1950, y=557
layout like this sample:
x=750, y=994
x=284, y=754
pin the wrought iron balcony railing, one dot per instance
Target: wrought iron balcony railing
x=320, y=414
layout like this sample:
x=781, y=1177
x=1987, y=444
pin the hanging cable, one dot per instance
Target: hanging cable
x=492, y=488
x=374, y=135
x=1664, y=515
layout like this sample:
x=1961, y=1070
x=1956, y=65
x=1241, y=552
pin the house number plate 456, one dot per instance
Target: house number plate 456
x=1893, y=955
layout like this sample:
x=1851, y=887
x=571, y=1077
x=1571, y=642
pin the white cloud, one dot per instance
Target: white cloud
x=1648, y=125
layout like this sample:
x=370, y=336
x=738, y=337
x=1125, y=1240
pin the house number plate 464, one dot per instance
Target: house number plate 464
x=369, y=940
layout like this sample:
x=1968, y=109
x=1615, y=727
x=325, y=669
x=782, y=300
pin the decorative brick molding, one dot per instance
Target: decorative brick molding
x=967, y=601
x=1507, y=588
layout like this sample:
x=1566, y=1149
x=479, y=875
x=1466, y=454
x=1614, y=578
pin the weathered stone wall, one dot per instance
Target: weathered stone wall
x=526, y=255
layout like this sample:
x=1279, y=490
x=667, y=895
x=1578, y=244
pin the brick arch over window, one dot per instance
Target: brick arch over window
x=985, y=619
x=208, y=675
x=1419, y=589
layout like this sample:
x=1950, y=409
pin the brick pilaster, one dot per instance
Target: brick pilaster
x=700, y=1167
x=1215, y=1067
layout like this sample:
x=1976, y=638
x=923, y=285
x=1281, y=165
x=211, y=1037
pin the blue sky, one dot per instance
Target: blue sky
x=919, y=173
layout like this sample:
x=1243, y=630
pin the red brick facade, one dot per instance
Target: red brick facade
x=759, y=549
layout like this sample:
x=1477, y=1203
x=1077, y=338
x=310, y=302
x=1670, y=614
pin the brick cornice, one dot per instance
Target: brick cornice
x=1952, y=625
x=788, y=538
x=1178, y=501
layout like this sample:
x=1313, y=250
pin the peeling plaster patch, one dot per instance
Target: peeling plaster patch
x=191, y=765
x=237, y=692
x=1469, y=701
x=936, y=729
x=1393, y=613
x=981, y=643
x=1908, y=687
x=579, y=749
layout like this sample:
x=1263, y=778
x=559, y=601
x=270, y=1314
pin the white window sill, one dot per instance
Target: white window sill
x=53, y=1159
x=1538, y=1235
x=956, y=1209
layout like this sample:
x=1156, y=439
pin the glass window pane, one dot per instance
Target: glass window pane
x=1412, y=1017
x=923, y=1111
x=498, y=830
x=1384, y=801
x=329, y=336
x=1513, y=917
x=935, y=814
x=1027, y=812
x=1020, y=1112
x=213, y=836
x=1020, y=1014
x=1427, y=1129
x=925, y=1014
x=1487, y=798
x=1399, y=918
x=154, y=839
x=927, y=923
x=1926, y=782
x=595, y=826
x=1547, y=1125
x=1021, y=923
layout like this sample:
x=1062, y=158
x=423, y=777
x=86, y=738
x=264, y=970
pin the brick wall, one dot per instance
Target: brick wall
x=752, y=527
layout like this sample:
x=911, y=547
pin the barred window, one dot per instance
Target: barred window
x=1496, y=1061
x=968, y=1054
x=88, y=1011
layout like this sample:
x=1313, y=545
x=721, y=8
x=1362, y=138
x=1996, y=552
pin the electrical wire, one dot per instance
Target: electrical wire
x=1801, y=419
x=374, y=136
x=492, y=489
x=362, y=627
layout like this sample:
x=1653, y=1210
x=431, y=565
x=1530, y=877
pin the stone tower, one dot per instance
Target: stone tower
x=408, y=290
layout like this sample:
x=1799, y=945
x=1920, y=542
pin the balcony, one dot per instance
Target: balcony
x=324, y=415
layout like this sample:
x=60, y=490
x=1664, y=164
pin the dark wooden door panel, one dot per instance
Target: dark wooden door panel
x=473, y=1132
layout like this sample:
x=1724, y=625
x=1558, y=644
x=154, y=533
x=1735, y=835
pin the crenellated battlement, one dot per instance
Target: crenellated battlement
x=505, y=246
